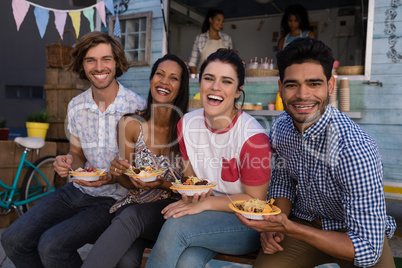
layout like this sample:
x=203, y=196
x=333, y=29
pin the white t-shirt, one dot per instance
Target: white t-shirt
x=239, y=154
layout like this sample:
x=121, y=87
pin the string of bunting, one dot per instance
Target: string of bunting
x=21, y=8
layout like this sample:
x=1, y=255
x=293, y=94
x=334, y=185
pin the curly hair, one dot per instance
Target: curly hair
x=93, y=39
x=300, y=13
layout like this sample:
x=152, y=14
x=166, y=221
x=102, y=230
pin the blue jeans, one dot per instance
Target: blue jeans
x=123, y=243
x=50, y=233
x=193, y=240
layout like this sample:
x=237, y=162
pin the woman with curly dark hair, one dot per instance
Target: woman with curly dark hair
x=295, y=23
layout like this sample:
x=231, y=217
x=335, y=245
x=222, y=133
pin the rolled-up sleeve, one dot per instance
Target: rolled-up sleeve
x=360, y=171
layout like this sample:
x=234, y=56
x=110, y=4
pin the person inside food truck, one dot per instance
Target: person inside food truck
x=210, y=40
x=294, y=24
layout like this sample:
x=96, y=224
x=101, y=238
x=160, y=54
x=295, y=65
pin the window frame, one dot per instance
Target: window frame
x=148, y=41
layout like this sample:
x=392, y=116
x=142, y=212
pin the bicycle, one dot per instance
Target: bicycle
x=38, y=181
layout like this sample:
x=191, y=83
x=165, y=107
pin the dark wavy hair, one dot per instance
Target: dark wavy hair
x=181, y=101
x=93, y=39
x=303, y=50
x=232, y=57
x=299, y=12
x=212, y=12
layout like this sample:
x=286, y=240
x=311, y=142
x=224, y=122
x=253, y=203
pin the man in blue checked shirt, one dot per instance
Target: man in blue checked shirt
x=327, y=177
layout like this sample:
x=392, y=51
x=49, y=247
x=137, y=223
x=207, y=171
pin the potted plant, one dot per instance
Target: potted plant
x=37, y=124
x=3, y=130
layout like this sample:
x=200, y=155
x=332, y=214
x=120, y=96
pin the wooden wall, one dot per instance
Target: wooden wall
x=382, y=106
x=137, y=78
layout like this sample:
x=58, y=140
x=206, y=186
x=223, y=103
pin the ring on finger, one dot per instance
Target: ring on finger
x=115, y=170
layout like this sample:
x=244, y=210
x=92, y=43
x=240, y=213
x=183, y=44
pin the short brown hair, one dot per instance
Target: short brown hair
x=93, y=39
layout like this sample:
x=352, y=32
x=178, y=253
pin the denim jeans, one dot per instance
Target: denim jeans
x=123, y=243
x=50, y=233
x=193, y=240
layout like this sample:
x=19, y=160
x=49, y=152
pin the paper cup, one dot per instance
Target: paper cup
x=344, y=99
x=344, y=83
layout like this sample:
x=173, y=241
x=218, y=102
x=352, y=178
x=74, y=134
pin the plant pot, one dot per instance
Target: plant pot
x=36, y=129
x=4, y=133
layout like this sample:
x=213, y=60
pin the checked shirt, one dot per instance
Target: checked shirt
x=333, y=172
x=199, y=44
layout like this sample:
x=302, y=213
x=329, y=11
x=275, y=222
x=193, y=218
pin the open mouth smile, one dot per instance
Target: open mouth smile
x=100, y=76
x=162, y=91
x=303, y=107
x=214, y=99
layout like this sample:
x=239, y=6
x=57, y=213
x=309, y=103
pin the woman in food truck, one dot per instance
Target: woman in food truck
x=210, y=40
x=295, y=23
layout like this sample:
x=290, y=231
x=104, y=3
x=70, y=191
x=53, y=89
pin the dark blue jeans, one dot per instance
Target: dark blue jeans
x=123, y=243
x=50, y=233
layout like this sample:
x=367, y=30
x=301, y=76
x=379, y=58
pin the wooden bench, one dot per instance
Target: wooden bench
x=244, y=259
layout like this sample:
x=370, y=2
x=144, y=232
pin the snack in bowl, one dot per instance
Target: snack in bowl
x=144, y=173
x=254, y=209
x=192, y=185
x=88, y=174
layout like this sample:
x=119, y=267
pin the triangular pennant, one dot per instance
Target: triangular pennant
x=60, y=21
x=116, y=31
x=20, y=9
x=42, y=19
x=89, y=14
x=76, y=19
x=109, y=5
x=102, y=13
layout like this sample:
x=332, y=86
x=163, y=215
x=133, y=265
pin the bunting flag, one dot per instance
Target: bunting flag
x=76, y=19
x=42, y=19
x=60, y=21
x=116, y=31
x=102, y=12
x=89, y=14
x=109, y=6
x=21, y=8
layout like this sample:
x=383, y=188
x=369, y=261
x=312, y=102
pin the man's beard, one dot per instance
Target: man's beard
x=312, y=118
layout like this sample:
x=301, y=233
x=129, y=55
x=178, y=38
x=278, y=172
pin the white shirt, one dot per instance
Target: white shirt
x=97, y=132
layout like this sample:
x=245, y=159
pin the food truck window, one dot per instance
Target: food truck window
x=136, y=34
x=254, y=26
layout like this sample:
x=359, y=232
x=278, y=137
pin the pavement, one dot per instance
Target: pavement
x=394, y=208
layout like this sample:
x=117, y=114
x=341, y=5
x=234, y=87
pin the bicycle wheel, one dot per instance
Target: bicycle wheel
x=34, y=184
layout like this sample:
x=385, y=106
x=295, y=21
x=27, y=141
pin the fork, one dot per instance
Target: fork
x=231, y=200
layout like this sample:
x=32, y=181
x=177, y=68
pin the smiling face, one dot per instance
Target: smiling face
x=165, y=84
x=100, y=66
x=216, y=23
x=305, y=93
x=218, y=91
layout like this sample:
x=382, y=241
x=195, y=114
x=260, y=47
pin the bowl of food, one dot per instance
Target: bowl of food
x=255, y=209
x=88, y=174
x=192, y=185
x=144, y=173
